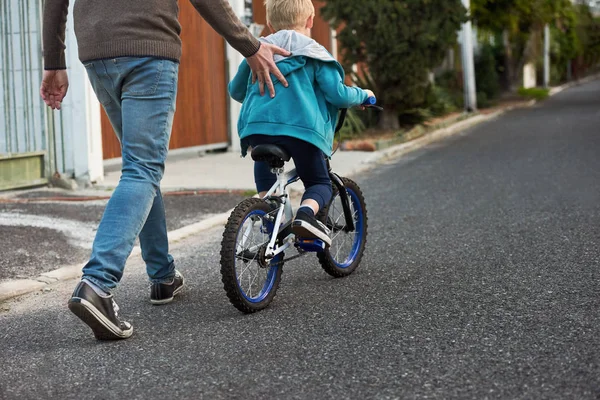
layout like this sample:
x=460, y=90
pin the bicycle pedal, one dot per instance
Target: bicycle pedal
x=313, y=245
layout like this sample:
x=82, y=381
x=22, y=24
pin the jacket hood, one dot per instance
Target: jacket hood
x=301, y=47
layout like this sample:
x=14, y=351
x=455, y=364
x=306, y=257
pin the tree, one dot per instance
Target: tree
x=588, y=34
x=399, y=42
x=521, y=23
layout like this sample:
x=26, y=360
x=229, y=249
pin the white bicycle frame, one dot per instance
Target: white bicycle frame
x=285, y=208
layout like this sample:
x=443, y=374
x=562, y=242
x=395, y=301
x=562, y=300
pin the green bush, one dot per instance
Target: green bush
x=440, y=101
x=486, y=77
x=353, y=125
x=400, y=42
x=534, y=93
x=451, y=82
x=370, y=116
x=483, y=101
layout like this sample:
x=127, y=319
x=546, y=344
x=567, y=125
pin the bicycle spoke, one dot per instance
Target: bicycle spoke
x=246, y=269
x=252, y=281
x=251, y=277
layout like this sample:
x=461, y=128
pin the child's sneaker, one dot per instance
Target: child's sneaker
x=306, y=226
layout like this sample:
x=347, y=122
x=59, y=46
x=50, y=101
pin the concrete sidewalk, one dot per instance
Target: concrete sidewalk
x=228, y=170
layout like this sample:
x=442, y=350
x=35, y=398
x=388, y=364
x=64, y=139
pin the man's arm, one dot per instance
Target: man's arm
x=53, y=37
x=55, y=82
x=220, y=15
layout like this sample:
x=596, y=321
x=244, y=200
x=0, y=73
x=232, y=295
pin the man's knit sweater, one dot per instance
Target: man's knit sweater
x=119, y=28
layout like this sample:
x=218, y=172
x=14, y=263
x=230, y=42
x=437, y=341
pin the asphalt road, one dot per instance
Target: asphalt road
x=481, y=281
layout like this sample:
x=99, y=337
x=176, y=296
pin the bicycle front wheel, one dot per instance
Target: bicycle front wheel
x=347, y=246
x=249, y=280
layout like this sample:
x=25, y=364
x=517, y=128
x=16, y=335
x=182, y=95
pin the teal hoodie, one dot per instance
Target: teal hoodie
x=307, y=109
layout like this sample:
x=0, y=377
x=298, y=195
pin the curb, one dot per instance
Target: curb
x=558, y=89
x=18, y=287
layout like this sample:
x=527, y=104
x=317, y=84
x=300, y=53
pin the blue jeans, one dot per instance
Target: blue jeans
x=310, y=166
x=138, y=95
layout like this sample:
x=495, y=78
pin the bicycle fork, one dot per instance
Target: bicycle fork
x=337, y=181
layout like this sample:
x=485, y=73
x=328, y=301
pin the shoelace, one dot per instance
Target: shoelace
x=122, y=324
x=115, y=308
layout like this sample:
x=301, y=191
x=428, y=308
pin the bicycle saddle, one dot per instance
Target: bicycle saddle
x=272, y=154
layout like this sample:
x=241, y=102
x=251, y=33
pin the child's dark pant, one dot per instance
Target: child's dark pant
x=310, y=165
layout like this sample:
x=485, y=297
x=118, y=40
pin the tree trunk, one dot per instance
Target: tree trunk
x=389, y=120
x=527, y=56
x=508, y=61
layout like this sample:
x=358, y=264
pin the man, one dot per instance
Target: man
x=131, y=52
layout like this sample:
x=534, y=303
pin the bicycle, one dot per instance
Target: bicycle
x=258, y=232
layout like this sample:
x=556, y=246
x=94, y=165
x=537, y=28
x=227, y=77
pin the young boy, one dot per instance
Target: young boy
x=302, y=118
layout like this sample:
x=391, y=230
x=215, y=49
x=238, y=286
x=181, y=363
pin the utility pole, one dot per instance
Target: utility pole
x=546, y=56
x=243, y=9
x=466, y=35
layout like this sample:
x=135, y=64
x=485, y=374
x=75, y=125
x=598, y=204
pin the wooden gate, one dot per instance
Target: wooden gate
x=201, y=116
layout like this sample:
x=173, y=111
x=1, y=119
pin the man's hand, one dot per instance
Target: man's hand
x=54, y=87
x=262, y=65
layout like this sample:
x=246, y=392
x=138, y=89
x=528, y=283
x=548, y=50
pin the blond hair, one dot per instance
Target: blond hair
x=289, y=14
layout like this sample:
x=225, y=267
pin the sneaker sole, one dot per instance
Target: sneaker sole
x=308, y=231
x=170, y=299
x=102, y=327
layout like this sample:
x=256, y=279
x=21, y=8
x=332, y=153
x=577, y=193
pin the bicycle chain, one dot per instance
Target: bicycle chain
x=277, y=264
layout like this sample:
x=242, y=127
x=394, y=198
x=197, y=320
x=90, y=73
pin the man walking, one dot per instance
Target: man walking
x=131, y=51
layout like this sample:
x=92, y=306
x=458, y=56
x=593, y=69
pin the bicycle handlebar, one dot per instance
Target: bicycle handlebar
x=370, y=101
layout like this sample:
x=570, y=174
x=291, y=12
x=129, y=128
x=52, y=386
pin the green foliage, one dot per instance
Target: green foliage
x=440, y=101
x=486, y=77
x=588, y=33
x=364, y=79
x=534, y=93
x=517, y=15
x=400, y=41
x=451, y=82
x=353, y=125
x=521, y=22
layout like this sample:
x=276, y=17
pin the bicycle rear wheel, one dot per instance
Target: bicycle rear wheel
x=347, y=247
x=248, y=279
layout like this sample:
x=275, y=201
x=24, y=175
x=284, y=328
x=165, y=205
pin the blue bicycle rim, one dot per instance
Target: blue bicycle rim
x=359, y=227
x=271, y=275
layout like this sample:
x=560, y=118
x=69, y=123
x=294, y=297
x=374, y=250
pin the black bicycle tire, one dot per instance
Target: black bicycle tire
x=228, y=271
x=324, y=257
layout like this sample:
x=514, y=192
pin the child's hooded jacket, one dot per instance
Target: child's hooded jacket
x=307, y=109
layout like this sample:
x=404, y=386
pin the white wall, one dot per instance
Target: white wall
x=233, y=60
x=81, y=116
x=77, y=129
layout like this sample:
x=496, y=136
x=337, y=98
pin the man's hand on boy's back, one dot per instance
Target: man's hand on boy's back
x=263, y=64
